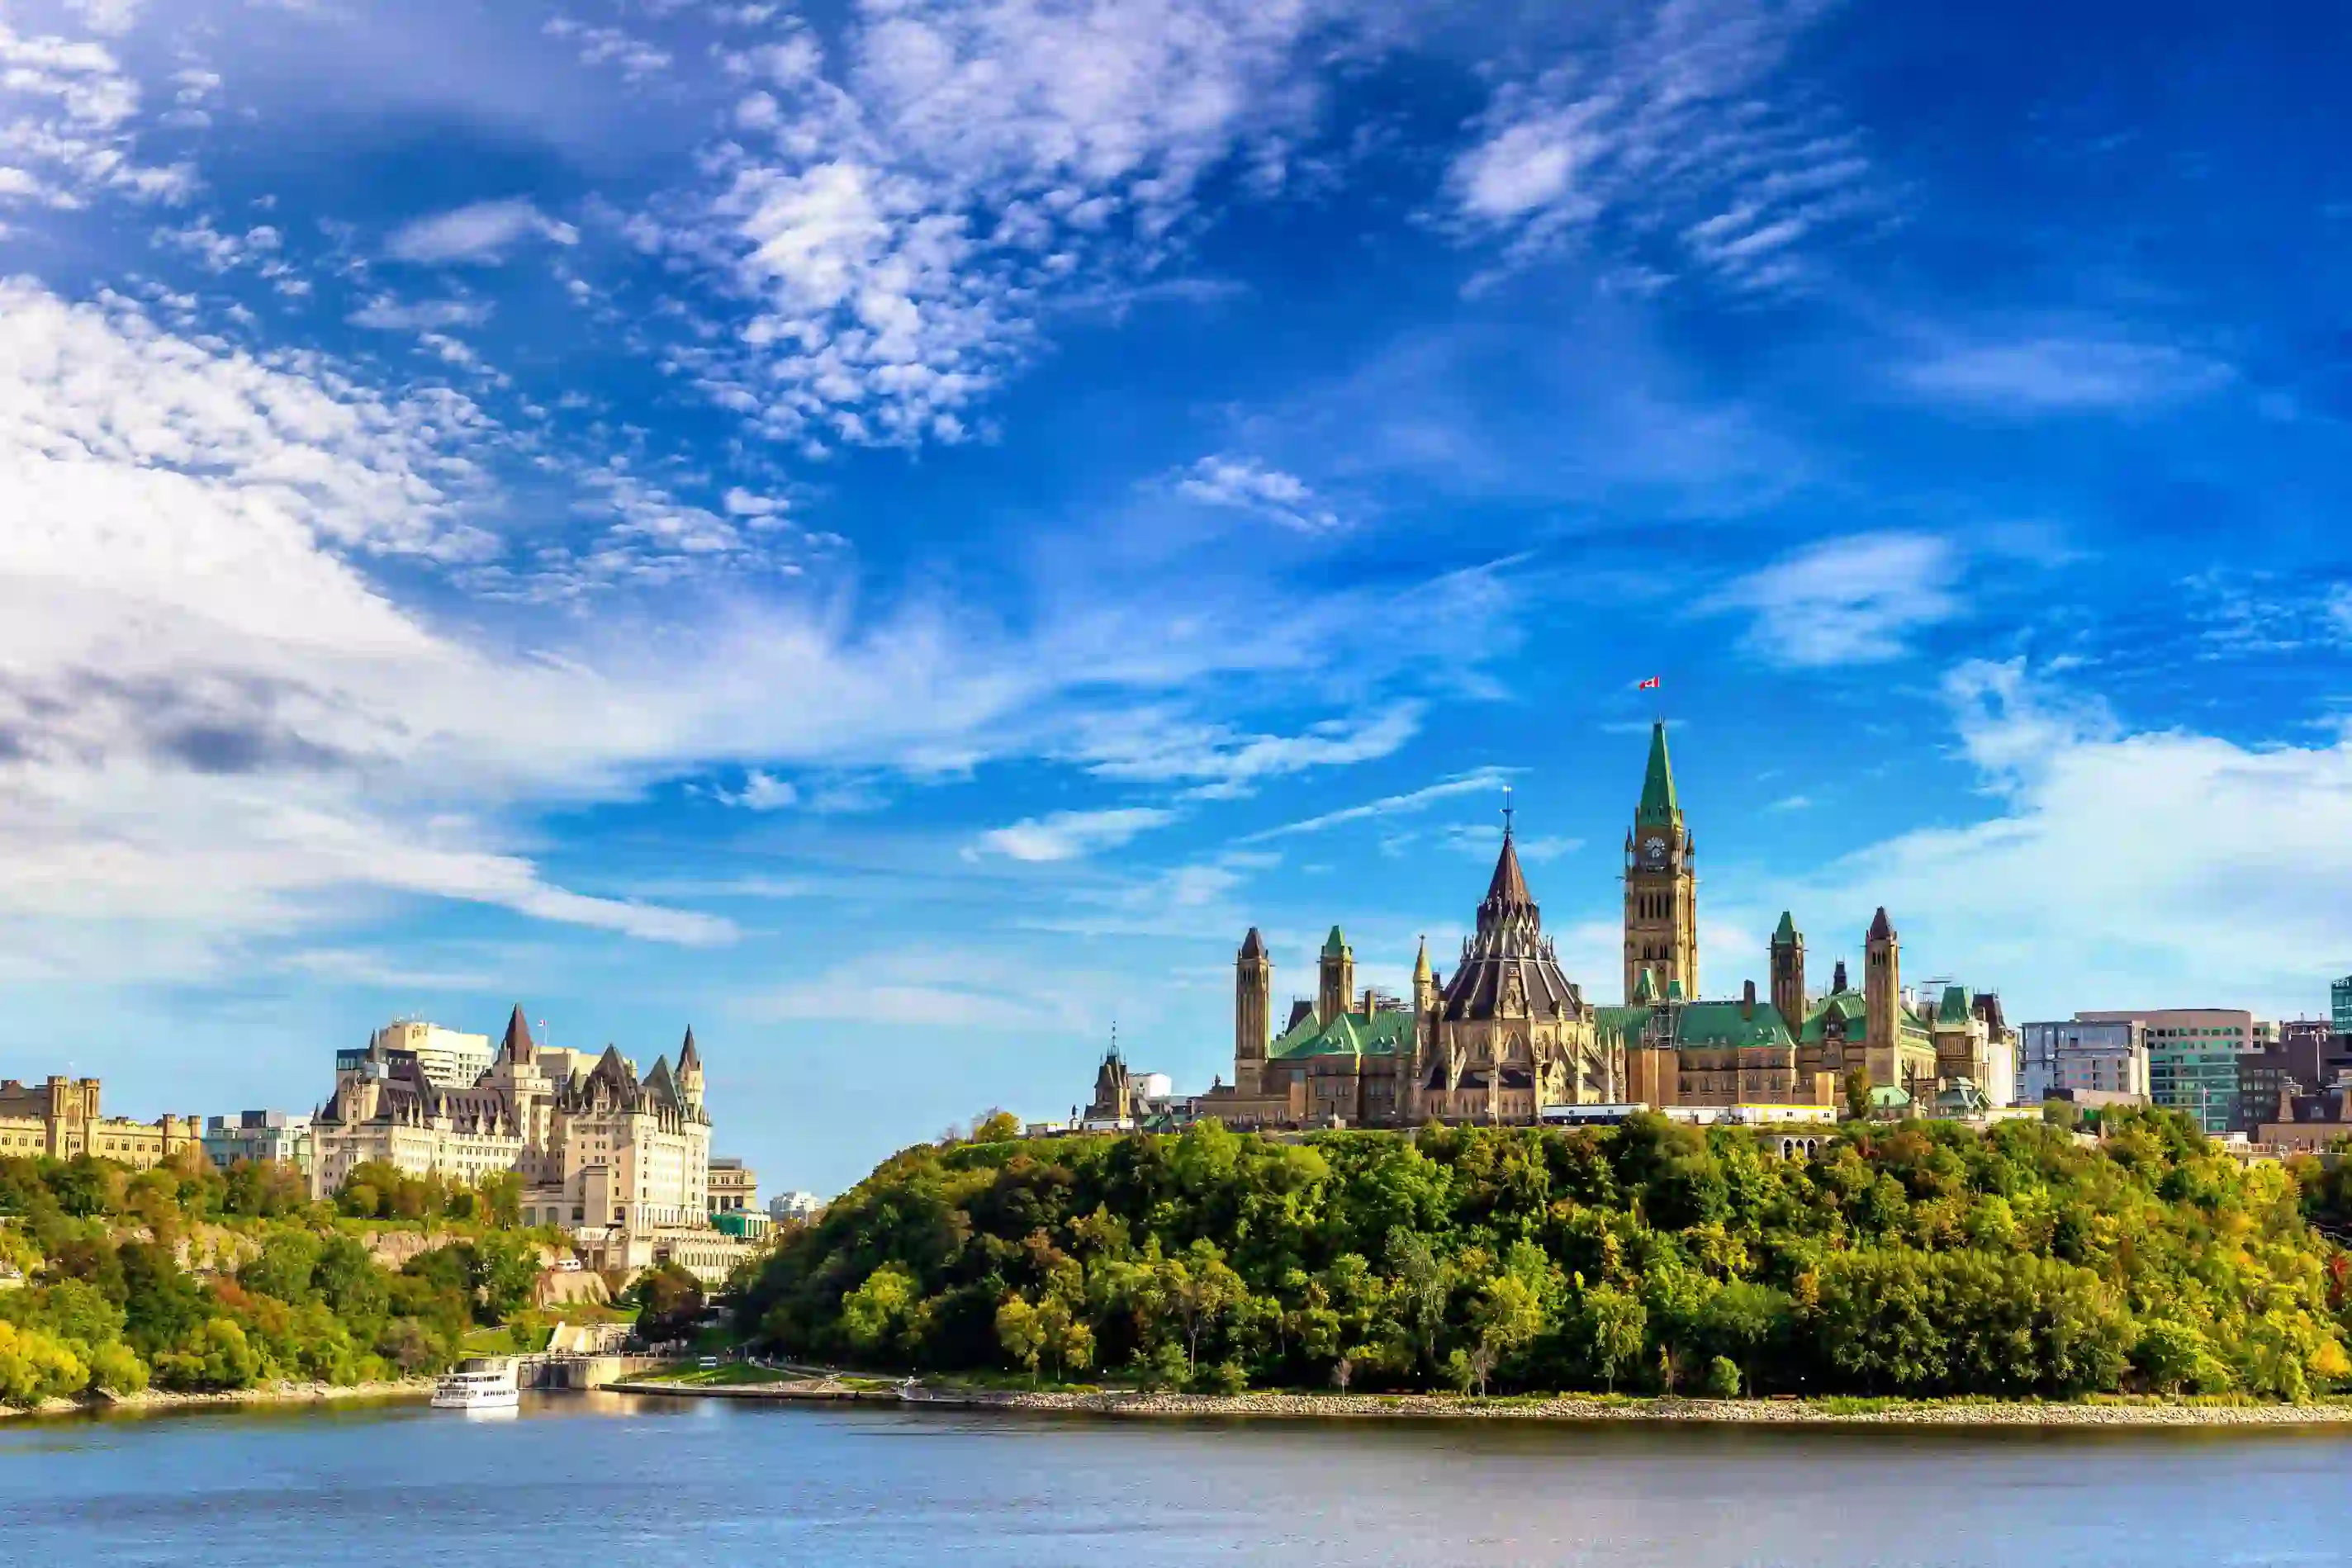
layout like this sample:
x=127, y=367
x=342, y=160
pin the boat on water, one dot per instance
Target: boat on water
x=479, y=1385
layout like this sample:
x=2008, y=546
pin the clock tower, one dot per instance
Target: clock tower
x=1661, y=886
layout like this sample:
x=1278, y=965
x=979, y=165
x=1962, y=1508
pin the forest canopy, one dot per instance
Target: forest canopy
x=189, y=1279
x=1920, y=1259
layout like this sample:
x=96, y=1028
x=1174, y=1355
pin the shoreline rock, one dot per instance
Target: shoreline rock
x=1562, y=1408
x=268, y=1394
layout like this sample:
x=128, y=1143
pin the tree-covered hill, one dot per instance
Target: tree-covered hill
x=194, y=1281
x=1921, y=1259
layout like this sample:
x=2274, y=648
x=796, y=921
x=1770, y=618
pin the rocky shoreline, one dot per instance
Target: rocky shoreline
x=268, y=1394
x=1565, y=1408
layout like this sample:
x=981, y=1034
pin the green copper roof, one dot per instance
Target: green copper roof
x=1348, y=1034
x=1658, y=803
x=1645, y=989
x=1334, y=943
x=1958, y=1006
x=1785, y=934
x=1624, y=1024
x=1724, y=1024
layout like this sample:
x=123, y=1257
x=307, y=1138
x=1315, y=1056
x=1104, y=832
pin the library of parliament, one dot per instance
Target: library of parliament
x=1506, y=1033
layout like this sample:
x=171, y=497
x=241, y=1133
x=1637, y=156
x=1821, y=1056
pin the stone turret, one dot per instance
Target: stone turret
x=1336, y=977
x=1882, y=998
x=689, y=1074
x=1789, y=971
x=1253, y=1013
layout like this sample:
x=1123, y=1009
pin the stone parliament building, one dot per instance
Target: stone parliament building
x=1507, y=1034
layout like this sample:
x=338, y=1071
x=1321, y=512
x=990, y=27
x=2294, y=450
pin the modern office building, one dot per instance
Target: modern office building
x=263, y=1138
x=2339, y=1004
x=450, y=1060
x=794, y=1206
x=2193, y=1055
x=2106, y=1058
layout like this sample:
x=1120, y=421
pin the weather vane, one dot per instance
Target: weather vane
x=1507, y=811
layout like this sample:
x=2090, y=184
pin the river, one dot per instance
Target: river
x=642, y=1483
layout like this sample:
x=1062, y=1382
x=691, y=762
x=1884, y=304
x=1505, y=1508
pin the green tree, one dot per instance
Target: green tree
x=1857, y=1094
x=1021, y=1334
x=1616, y=1331
x=669, y=1302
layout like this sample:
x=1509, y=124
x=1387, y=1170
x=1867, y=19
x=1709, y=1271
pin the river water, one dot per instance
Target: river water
x=640, y=1483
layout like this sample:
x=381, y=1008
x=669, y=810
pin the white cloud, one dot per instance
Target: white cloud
x=2063, y=375
x=2121, y=868
x=1070, y=835
x=217, y=727
x=1243, y=484
x=1851, y=601
x=760, y=792
x=480, y=233
x=67, y=108
x=112, y=17
x=1147, y=746
x=908, y=987
x=904, y=213
x=386, y=314
x=1670, y=133
x=1485, y=781
x=638, y=59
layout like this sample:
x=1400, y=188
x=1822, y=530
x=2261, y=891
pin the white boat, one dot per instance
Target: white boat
x=478, y=1386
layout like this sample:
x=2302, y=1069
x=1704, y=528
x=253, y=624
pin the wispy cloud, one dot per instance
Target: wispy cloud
x=1220, y=761
x=1246, y=484
x=1851, y=601
x=1069, y=835
x=903, y=213
x=760, y=792
x=481, y=234
x=2223, y=869
x=386, y=314
x=1485, y=781
x=2062, y=374
x=1671, y=132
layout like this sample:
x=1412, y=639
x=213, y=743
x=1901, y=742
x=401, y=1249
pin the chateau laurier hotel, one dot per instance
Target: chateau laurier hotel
x=1507, y=1033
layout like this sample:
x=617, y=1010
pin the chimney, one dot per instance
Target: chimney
x=1747, y=1000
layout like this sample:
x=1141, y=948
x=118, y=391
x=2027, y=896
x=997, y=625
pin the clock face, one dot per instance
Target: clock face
x=1653, y=851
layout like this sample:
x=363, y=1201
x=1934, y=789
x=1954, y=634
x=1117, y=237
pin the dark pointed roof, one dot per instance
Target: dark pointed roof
x=1658, y=801
x=1509, y=947
x=1509, y=883
x=660, y=1086
x=1252, y=947
x=518, y=1046
x=688, y=1059
x=1881, y=928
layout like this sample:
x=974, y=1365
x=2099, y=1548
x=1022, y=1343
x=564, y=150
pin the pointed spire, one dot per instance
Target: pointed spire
x=1881, y=928
x=688, y=1059
x=518, y=1047
x=1509, y=885
x=1334, y=943
x=1252, y=947
x=1785, y=934
x=1658, y=801
x=1645, y=990
x=1421, y=974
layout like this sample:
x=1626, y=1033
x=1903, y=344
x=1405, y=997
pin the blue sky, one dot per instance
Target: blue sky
x=894, y=532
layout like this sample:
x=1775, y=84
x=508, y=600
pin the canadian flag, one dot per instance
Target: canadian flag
x=1649, y=685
